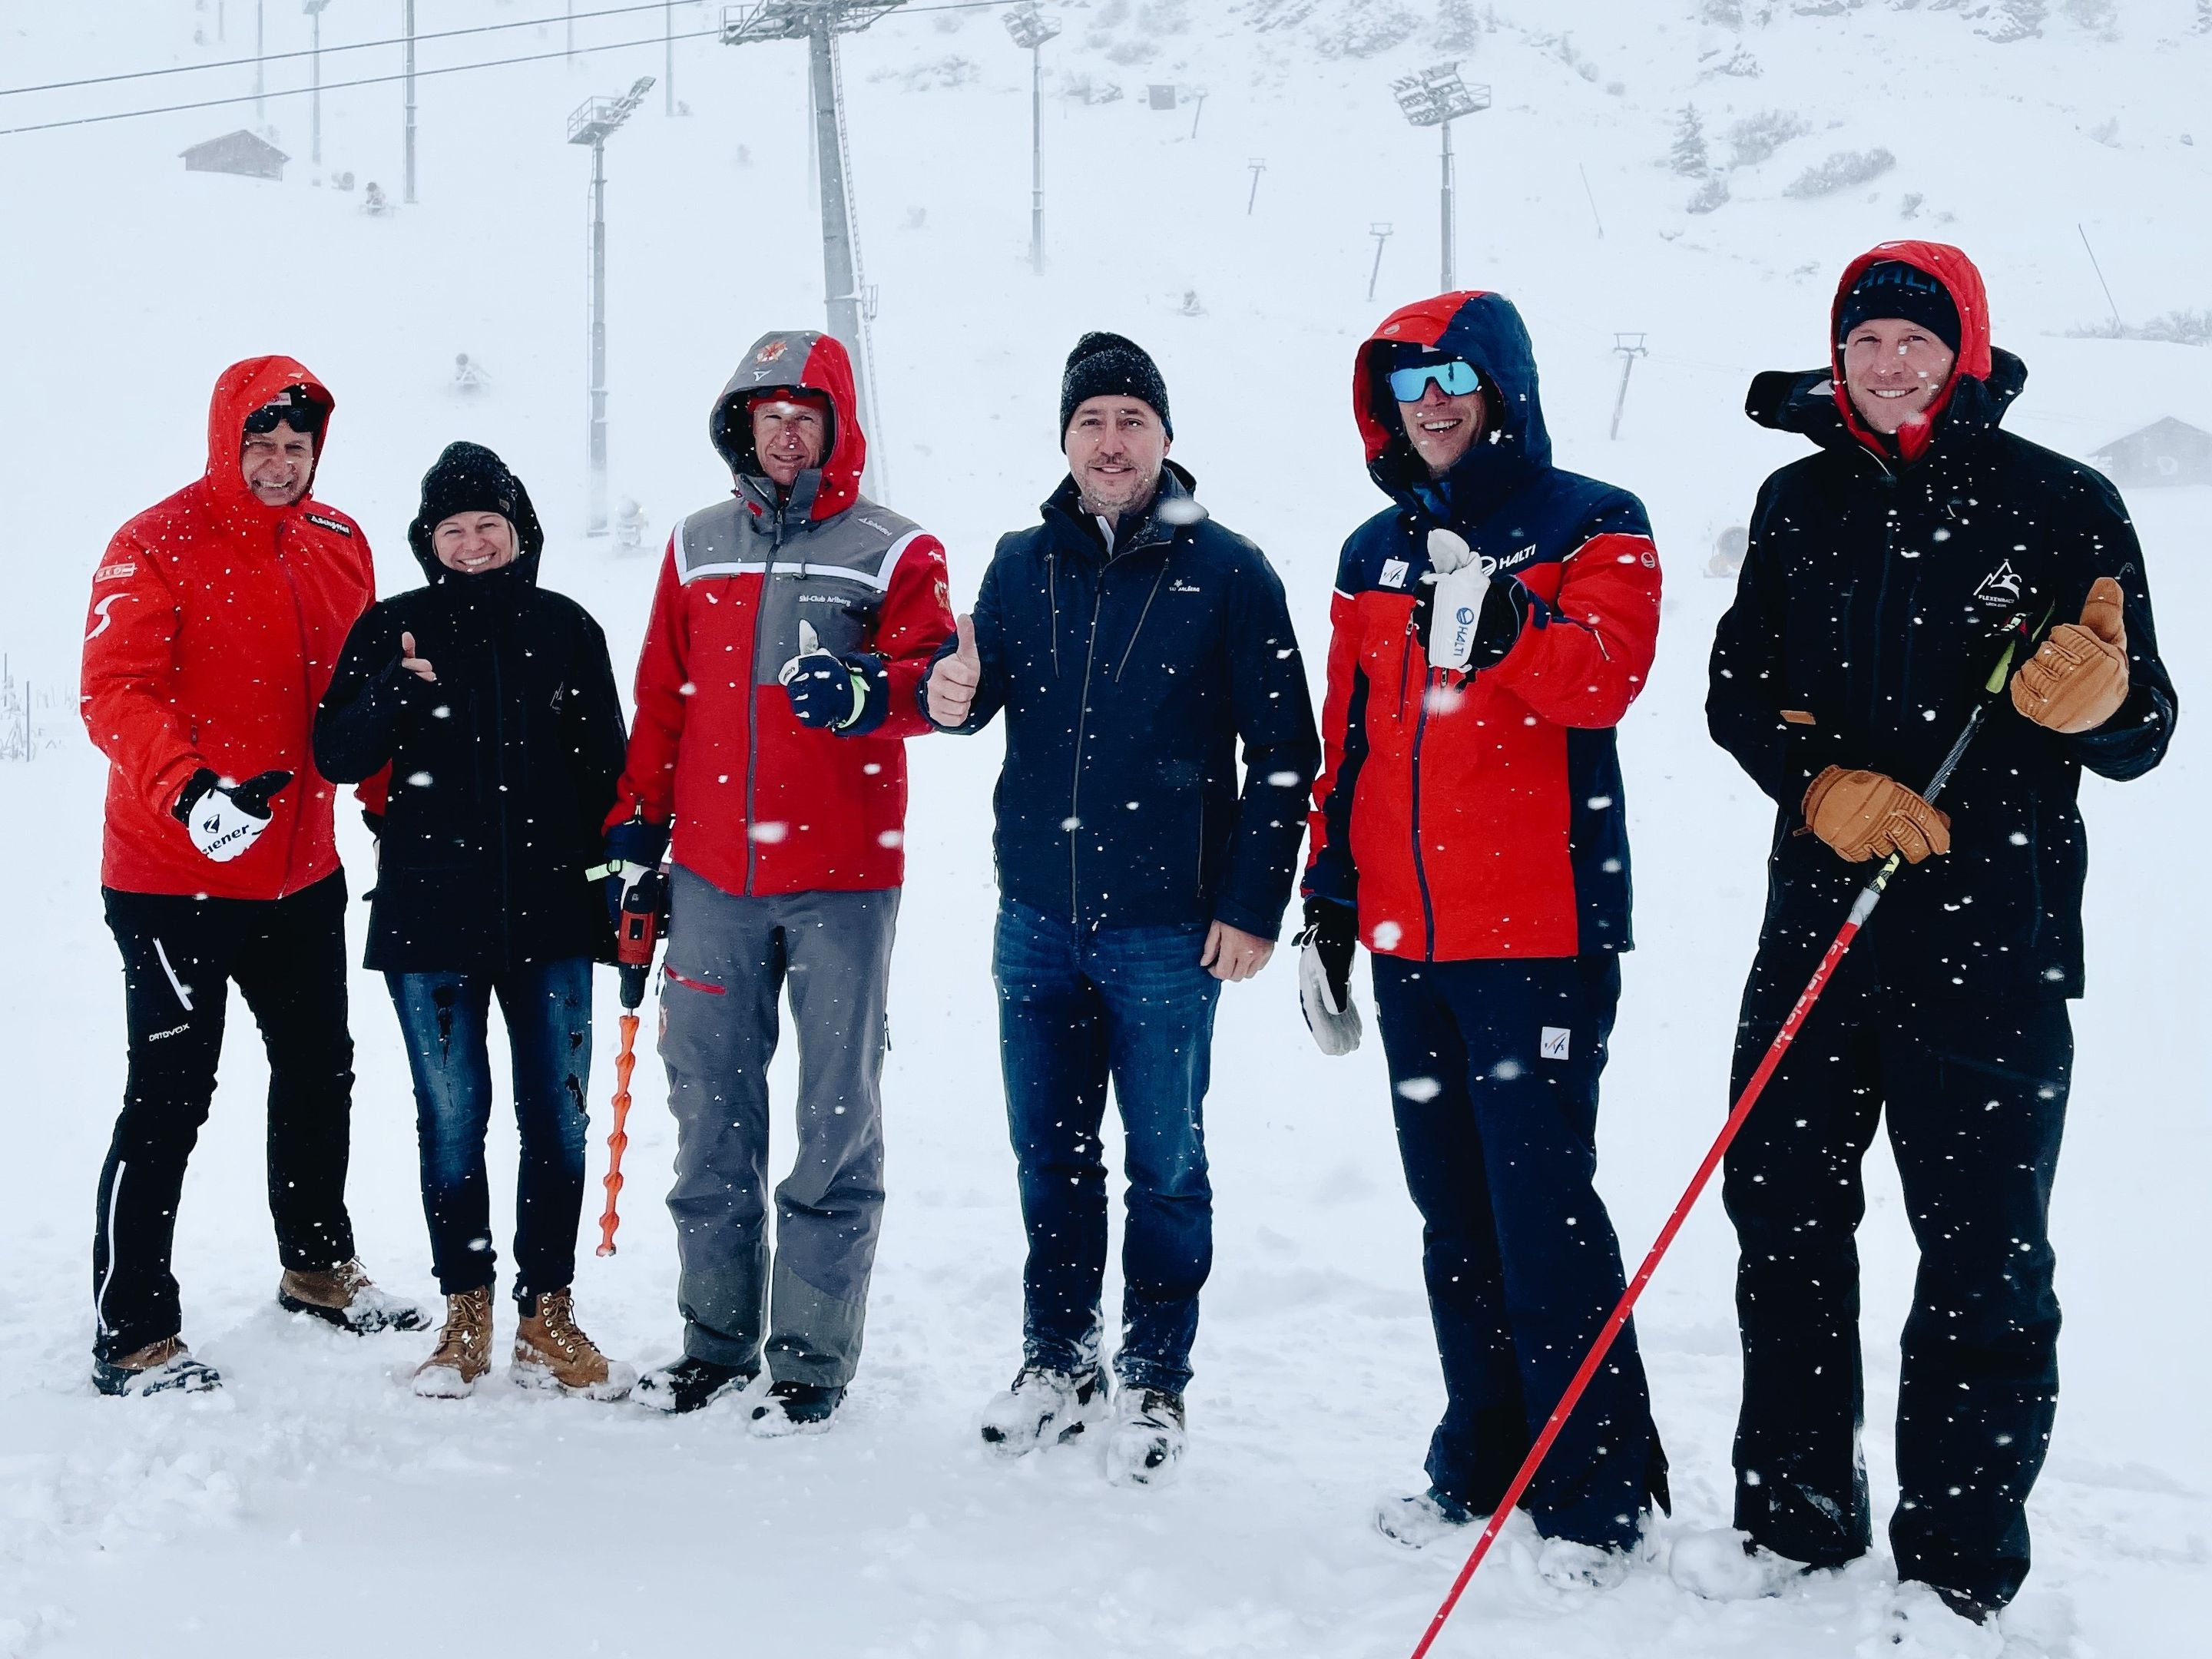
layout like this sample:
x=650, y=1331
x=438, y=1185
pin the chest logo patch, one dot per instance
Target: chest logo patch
x=337, y=524
x=2000, y=586
x=1393, y=572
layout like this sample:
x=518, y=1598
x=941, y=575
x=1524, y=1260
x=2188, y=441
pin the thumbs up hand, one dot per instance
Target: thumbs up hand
x=2079, y=678
x=953, y=683
x=413, y=664
x=832, y=693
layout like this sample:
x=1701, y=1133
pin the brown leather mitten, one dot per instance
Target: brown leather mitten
x=2079, y=678
x=1864, y=815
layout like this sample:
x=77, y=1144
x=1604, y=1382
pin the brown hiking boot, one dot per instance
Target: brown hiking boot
x=464, y=1352
x=552, y=1351
x=345, y=1296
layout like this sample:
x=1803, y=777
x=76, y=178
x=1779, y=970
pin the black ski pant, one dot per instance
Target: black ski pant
x=1494, y=1070
x=1975, y=1097
x=180, y=955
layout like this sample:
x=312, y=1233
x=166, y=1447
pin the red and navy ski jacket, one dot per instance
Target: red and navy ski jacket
x=1481, y=815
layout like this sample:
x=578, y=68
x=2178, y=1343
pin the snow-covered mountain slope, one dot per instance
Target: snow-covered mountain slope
x=316, y=1505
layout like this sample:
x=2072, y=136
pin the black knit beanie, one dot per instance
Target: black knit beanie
x=1109, y=366
x=470, y=478
x=1894, y=288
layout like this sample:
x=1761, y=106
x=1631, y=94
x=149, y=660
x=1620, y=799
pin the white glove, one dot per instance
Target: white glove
x=228, y=818
x=1463, y=580
x=1335, y=1030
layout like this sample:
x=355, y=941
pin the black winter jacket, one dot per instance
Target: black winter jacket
x=1870, y=607
x=502, y=772
x=1127, y=681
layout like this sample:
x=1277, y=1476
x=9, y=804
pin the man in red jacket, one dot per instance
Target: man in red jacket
x=216, y=620
x=791, y=628
x=1489, y=629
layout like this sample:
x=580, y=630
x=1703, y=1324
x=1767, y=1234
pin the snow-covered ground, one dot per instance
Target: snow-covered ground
x=315, y=1506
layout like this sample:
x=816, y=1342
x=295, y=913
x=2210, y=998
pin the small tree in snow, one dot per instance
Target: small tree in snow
x=1688, y=156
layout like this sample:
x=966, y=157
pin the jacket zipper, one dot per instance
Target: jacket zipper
x=299, y=620
x=752, y=704
x=499, y=783
x=1420, y=870
x=1075, y=783
x=1141, y=615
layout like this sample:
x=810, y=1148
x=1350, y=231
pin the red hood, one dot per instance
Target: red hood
x=238, y=391
x=801, y=360
x=1963, y=281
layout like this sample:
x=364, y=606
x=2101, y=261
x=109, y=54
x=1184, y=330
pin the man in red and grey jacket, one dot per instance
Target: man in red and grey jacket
x=216, y=620
x=1489, y=628
x=774, y=694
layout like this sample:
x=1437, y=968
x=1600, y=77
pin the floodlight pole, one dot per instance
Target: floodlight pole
x=407, y=28
x=593, y=124
x=1036, y=158
x=315, y=59
x=1629, y=347
x=1450, y=232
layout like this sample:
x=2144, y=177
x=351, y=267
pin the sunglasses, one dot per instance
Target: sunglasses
x=1454, y=377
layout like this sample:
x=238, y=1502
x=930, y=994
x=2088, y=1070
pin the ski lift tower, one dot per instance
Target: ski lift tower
x=819, y=22
x=1437, y=97
x=594, y=121
x=1031, y=29
x=315, y=8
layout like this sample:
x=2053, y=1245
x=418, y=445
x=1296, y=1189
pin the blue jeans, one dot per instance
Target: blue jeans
x=1076, y=1006
x=548, y=1010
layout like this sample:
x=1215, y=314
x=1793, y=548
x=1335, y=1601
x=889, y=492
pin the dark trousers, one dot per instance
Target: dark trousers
x=1975, y=1097
x=1077, y=1006
x=443, y=1019
x=1494, y=1070
x=287, y=958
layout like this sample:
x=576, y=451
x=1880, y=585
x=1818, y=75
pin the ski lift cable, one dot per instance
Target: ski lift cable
x=350, y=45
x=339, y=86
x=400, y=40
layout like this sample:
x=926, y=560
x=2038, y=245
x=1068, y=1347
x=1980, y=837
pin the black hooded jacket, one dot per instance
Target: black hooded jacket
x=1869, y=615
x=502, y=771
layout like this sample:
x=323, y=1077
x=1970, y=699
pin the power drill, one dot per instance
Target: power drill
x=637, y=934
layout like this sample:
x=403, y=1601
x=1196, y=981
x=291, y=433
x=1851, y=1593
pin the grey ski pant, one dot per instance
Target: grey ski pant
x=728, y=958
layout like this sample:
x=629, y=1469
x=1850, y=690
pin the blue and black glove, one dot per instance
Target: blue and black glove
x=847, y=695
x=634, y=849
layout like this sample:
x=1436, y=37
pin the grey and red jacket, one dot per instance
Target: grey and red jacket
x=1481, y=815
x=760, y=803
x=216, y=623
x=1883, y=580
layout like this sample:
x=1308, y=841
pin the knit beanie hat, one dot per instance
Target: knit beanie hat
x=1109, y=366
x=470, y=478
x=1894, y=288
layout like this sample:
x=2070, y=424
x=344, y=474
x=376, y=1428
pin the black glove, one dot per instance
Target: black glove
x=224, y=819
x=848, y=695
x=1325, y=952
x=634, y=848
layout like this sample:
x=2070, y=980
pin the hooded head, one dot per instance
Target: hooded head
x=470, y=478
x=797, y=360
x=1931, y=283
x=1484, y=330
x=240, y=391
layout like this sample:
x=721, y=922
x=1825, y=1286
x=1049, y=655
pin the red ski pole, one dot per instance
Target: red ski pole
x=1862, y=907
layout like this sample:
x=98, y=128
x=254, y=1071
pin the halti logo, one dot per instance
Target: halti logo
x=1512, y=559
x=2000, y=586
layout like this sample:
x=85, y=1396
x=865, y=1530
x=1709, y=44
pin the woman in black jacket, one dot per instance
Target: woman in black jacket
x=495, y=705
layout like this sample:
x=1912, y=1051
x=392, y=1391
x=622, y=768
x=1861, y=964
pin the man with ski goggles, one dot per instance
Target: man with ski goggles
x=1489, y=629
x=1885, y=575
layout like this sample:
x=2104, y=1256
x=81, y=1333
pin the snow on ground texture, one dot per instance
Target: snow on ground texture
x=315, y=1505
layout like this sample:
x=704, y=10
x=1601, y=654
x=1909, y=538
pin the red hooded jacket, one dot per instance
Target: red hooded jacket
x=215, y=624
x=759, y=802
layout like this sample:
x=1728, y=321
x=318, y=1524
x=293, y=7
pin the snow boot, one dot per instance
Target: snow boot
x=796, y=1408
x=1417, y=1521
x=686, y=1384
x=345, y=1296
x=552, y=1352
x=464, y=1350
x=1043, y=1407
x=1926, y=1622
x=163, y=1367
x=1147, y=1440
x=1566, y=1564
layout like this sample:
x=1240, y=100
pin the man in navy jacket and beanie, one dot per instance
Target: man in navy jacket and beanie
x=1133, y=643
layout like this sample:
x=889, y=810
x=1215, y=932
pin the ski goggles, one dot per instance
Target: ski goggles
x=1454, y=377
x=294, y=410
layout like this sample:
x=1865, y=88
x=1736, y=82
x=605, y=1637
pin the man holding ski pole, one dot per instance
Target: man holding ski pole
x=1885, y=576
x=1489, y=629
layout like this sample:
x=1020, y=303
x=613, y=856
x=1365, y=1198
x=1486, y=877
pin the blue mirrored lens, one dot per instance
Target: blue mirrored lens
x=1454, y=376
